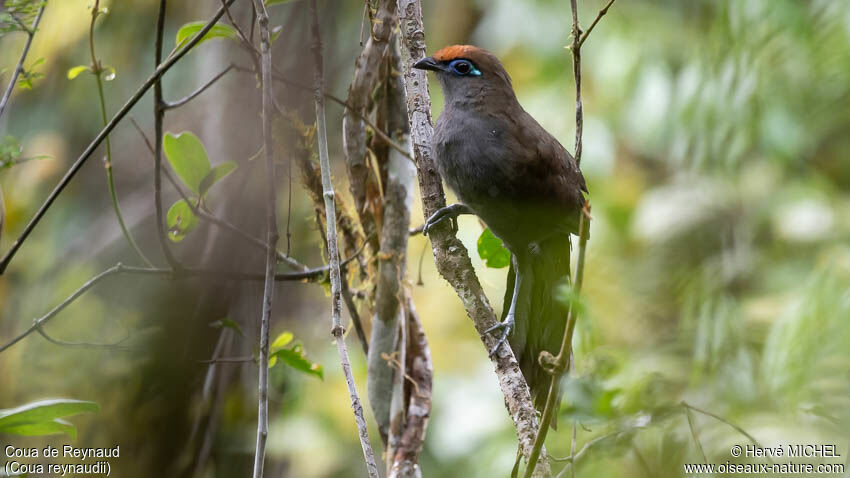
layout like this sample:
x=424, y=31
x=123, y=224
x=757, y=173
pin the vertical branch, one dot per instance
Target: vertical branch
x=419, y=375
x=450, y=255
x=20, y=67
x=271, y=238
x=560, y=364
x=366, y=76
x=97, y=70
x=576, y=49
x=158, y=113
x=333, y=253
x=411, y=392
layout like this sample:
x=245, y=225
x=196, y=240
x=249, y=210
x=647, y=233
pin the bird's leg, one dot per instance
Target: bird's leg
x=451, y=212
x=508, y=324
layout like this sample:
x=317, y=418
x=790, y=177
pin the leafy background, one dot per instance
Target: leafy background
x=716, y=153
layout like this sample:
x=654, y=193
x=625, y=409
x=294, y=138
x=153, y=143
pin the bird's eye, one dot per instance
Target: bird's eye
x=463, y=68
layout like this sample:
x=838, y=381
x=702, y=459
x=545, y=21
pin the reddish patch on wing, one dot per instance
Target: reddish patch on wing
x=455, y=51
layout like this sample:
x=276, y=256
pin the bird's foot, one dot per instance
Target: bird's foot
x=507, y=326
x=448, y=212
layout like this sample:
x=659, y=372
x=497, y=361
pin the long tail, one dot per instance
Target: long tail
x=540, y=319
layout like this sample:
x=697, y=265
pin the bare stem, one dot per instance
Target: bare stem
x=337, y=329
x=271, y=238
x=310, y=275
x=721, y=419
x=694, y=434
x=595, y=21
x=576, y=49
x=191, y=96
x=20, y=67
x=140, y=92
x=97, y=70
x=158, y=115
x=562, y=360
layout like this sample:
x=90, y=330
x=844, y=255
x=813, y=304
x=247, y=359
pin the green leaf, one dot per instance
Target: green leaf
x=491, y=250
x=75, y=71
x=276, y=2
x=294, y=357
x=229, y=323
x=181, y=220
x=215, y=175
x=281, y=341
x=187, y=157
x=51, y=427
x=191, y=29
x=43, y=417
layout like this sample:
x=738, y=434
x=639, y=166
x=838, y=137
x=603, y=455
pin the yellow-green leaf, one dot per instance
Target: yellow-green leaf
x=190, y=29
x=491, y=250
x=181, y=220
x=215, y=175
x=282, y=340
x=75, y=71
x=295, y=358
x=187, y=156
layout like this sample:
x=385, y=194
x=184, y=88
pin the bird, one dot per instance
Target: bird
x=505, y=168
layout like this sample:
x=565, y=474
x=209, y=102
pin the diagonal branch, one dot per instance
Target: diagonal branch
x=140, y=92
x=595, y=21
x=450, y=254
x=192, y=95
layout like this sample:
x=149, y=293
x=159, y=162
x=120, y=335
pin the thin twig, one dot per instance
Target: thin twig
x=158, y=116
x=576, y=50
x=694, y=434
x=271, y=238
x=577, y=456
x=140, y=92
x=191, y=96
x=229, y=360
x=182, y=274
x=337, y=329
x=740, y=430
x=384, y=136
x=20, y=67
x=97, y=70
x=65, y=343
x=595, y=21
x=355, y=316
x=247, y=44
x=561, y=362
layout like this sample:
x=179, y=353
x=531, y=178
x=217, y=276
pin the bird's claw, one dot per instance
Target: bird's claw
x=448, y=212
x=507, y=325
